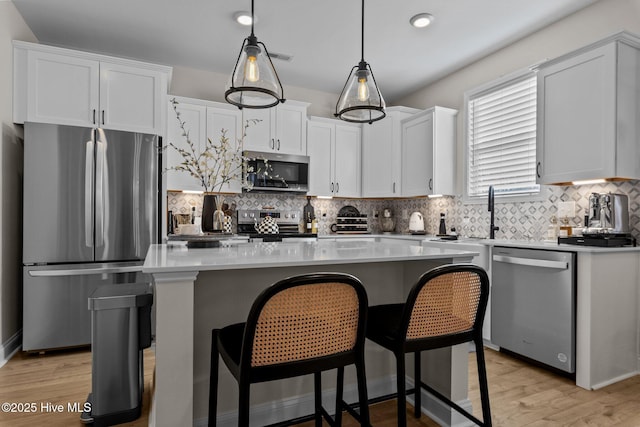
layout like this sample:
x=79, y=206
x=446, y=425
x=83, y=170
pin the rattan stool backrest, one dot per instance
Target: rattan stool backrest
x=447, y=300
x=306, y=317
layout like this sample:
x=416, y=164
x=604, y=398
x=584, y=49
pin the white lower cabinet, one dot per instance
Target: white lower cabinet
x=333, y=148
x=428, y=153
x=204, y=121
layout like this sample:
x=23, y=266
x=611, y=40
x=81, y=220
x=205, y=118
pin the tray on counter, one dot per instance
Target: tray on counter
x=603, y=241
x=200, y=240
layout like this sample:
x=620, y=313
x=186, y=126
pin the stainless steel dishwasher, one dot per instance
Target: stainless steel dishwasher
x=533, y=304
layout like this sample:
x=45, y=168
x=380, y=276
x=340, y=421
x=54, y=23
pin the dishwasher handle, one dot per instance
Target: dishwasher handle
x=532, y=262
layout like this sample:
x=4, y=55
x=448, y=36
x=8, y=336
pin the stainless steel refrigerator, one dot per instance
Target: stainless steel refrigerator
x=90, y=212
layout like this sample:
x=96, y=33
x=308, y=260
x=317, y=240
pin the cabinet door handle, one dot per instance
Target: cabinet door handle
x=394, y=187
x=278, y=145
x=430, y=183
x=337, y=187
x=102, y=116
x=332, y=187
x=94, y=116
x=272, y=144
x=538, y=170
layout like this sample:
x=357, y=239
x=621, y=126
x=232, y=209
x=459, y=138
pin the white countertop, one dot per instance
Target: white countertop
x=167, y=258
x=530, y=244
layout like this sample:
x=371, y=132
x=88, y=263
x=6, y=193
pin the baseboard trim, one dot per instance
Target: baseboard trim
x=439, y=411
x=297, y=406
x=614, y=380
x=10, y=347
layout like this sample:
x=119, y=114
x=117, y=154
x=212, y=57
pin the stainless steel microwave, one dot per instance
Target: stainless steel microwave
x=266, y=171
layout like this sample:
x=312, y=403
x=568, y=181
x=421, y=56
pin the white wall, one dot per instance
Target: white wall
x=12, y=27
x=209, y=85
x=588, y=25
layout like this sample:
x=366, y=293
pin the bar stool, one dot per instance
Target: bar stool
x=444, y=308
x=301, y=325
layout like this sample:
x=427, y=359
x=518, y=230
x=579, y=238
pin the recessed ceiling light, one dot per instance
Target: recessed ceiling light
x=421, y=20
x=243, y=18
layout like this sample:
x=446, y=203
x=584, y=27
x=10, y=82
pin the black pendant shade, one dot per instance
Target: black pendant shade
x=360, y=100
x=254, y=82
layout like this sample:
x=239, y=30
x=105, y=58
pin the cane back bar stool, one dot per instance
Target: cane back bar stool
x=301, y=325
x=444, y=308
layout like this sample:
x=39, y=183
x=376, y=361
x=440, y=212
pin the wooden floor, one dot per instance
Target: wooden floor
x=521, y=395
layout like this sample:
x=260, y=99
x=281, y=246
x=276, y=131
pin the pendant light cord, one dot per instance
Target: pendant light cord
x=252, y=19
x=362, y=33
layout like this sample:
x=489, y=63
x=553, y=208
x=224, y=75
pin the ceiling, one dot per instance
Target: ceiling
x=323, y=37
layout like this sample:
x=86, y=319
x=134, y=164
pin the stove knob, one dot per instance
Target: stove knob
x=286, y=215
x=244, y=215
x=251, y=215
x=293, y=216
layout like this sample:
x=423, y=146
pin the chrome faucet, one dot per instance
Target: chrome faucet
x=492, y=226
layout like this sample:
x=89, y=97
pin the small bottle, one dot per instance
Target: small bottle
x=314, y=226
x=443, y=227
x=309, y=223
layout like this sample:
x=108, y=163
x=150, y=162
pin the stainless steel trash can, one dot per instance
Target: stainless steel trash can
x=120, y=330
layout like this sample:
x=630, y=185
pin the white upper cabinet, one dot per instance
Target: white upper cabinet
x=204, y=120
x=195, y=119
x=588, y=113
x=428, y=153
x=67, y=87
x=131, y=98
x=347, y=160
x=280, y=129
x=334, y=158
x=381, y=154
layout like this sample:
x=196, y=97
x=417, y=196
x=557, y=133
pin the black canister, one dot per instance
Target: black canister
x=443, y=227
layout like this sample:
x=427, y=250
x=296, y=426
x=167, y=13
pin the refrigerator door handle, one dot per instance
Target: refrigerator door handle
x=85, y=271
x=100, y=170
x=88, y=194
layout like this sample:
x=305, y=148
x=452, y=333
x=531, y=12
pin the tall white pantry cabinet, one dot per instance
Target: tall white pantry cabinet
x=69, y=87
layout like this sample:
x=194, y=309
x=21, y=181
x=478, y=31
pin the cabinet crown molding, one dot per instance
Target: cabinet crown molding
x=18, y=44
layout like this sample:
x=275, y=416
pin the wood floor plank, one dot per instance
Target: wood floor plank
x=521, y=394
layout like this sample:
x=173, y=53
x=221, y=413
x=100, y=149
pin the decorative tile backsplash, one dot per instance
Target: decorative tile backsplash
x=517, y=220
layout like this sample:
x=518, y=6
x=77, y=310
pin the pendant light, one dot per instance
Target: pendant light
x=360, y=100
x=254, y=82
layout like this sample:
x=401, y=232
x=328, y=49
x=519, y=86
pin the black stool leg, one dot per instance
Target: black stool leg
x=402, y=394
x=317, y=388
x=362, y=393
x=484, y=387
x=417, y=410
x=339, y=390
x=243, y=402
x=213, y=379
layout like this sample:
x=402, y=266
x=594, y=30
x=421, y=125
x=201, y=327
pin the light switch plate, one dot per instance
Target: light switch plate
x=567, y=209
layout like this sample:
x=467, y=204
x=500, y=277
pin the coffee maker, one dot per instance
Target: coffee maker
x=608, y=214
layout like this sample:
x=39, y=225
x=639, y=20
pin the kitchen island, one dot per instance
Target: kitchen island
x=197, y=290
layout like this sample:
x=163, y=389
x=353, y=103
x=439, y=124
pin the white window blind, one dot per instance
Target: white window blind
x=502, y=139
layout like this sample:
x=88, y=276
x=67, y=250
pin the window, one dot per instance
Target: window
x=501, y=137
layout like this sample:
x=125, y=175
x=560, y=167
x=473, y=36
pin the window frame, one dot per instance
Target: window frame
x=491, y=86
